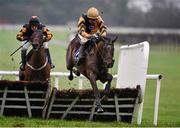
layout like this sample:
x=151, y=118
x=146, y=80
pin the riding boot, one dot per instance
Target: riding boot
x=23, y=59
x=81, y=55
x=49, y=58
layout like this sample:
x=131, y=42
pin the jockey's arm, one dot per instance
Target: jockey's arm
x=82, y=28
x=102, y=27
x=21, y=34
x=85, y=34
x=48, y=35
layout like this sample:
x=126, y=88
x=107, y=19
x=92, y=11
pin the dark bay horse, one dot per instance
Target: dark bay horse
x=96, y=65
x=37, y=67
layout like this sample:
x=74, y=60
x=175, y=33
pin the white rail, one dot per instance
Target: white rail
x=57, y=75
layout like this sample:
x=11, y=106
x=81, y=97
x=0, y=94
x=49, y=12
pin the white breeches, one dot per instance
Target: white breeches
x=83, y=39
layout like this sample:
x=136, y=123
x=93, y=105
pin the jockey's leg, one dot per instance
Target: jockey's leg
x=45, y=44
x=23, y=59
x=84, y=50
x=49, y=58
x=24, y=49
x=81, y=55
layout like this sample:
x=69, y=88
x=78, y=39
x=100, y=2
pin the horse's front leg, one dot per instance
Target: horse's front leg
x=109, y=78
x=96, y=93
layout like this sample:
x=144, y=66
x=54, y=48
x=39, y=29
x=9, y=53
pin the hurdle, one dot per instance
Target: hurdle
x=80, y=104
x=21, y=98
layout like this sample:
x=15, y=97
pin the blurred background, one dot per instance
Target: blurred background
x=134, y=13
x=132, y=20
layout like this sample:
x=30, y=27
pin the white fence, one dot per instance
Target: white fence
x=58, y=75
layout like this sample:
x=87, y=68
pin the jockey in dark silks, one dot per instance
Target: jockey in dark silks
x=25, y=34
x=89, y=25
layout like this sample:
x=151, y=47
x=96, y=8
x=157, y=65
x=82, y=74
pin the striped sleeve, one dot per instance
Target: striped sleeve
x=102, y=27
x=47, y=33
x=20, y=35
x=81, y=25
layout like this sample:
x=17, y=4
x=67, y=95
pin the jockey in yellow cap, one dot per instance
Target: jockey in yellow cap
x=25, y=34
x=89, y=24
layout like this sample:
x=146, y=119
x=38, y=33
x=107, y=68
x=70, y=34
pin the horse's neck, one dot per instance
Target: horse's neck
x=100, y=56
x=38, y=57
x=99, y=49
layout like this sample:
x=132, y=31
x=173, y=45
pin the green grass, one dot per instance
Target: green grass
x=165, y=62
x=33, y=122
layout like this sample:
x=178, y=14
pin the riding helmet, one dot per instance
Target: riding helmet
x=93, y=13
x=34, y=20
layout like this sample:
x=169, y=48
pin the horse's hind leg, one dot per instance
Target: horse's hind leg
x=69, y=66
x=70, y=77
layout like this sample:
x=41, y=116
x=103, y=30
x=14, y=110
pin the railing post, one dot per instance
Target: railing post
x=56, y=84
x=17, y=78
x=140, y=111
x=156, y=107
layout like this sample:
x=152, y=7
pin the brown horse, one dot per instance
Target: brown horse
x=37, y=67
x=96, y=65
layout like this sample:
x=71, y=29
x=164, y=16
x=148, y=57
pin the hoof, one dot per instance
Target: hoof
x=77, y=73
x=70, y=77
x=100, y=110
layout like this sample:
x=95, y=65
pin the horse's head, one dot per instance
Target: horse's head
x=37, y=39
x=107, y=51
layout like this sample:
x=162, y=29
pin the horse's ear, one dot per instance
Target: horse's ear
x=114, y=40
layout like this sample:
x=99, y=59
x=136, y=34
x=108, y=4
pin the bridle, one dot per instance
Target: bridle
x=36, y=47
x=36, y=42
x=103, y=51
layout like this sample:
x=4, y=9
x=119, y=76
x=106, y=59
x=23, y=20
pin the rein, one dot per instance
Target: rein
x=38, y=69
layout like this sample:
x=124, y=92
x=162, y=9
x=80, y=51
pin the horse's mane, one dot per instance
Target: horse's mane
x=106, y=38
x=38, y=30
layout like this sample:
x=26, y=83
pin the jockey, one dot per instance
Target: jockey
x=25, y=34
x=89, y=24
